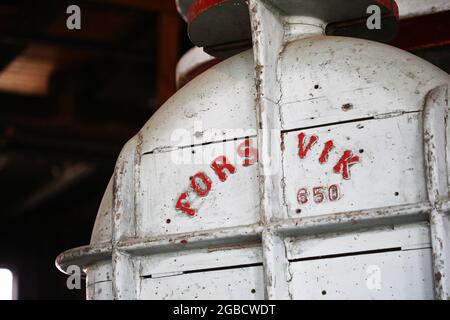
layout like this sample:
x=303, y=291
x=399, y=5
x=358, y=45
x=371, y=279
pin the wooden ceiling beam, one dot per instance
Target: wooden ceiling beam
x=167, y=6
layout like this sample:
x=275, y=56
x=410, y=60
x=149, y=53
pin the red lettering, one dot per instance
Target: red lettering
x=344, y=163
x=219, y=165
x=184, y=206
x=250, y=154
x=302, y=150
x=202, y=191
x=326, y=150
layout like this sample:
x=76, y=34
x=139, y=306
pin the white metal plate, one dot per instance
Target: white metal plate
x=338, y=79
x=390, y=275
x=232, y=202
x=175, y=262
x=412, y=8
x=390, y=170
x=334, y=79
x=100, y=291
x=232, y=284
x=407, y=237
x=99, y=273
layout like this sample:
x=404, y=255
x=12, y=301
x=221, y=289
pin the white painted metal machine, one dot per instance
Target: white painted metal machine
x=311, y=167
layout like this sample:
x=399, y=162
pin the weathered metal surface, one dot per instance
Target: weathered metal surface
x=99, y=281
x=276, y=267
x=165, y=184
x=373, y=86
x=100, y=291
x=281, y=173
x=387, y=263
x=435, y=135
x=234, y=284
x=226, y=272
x=213, y=257
x=217, y=106
x=191, y=64
x=268, y=37
x=103, y=222
x=320, y=185
x=402, y=275
x=413, y=8
x=407, y=237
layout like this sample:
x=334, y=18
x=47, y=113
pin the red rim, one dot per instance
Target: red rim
x=391, y=5
x=200, y=6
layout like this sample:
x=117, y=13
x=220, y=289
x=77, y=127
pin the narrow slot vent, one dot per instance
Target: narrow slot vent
x=347, y=254
x=154, y=276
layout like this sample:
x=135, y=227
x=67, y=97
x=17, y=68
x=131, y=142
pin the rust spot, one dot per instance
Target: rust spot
x=183, y=242
x=438, y=276
x=283, y=147
x=411, y=75
x=258, y=68
x=347, y=107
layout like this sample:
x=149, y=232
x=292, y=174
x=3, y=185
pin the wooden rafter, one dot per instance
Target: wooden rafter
x=149, y=5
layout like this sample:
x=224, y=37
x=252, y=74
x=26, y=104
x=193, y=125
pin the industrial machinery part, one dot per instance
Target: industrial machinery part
x=193, y=63
x=310, y=167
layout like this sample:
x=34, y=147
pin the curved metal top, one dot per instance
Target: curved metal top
x=219, y=24
x=183, y=7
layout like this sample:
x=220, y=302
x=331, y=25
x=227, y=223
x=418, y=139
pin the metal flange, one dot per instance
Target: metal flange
x=222, y=27
x=183, y=7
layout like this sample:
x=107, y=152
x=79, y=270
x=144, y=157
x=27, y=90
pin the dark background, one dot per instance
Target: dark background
x=69, y=100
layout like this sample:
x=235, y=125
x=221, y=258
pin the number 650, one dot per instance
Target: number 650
x=320, y=194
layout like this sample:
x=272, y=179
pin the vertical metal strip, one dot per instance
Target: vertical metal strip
x=268, y=36
x=435, y=127
x=125, y=188
x=276, y=267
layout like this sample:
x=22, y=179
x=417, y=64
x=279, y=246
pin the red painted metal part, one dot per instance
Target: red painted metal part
x=390, y=5
x=200, y=6
x=222, y=27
